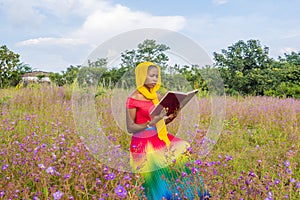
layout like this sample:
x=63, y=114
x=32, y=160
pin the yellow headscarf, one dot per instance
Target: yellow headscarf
x=141, y=72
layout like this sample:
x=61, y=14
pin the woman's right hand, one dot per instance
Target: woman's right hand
x=159, y=117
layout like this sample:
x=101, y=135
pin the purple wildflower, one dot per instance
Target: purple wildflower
x=277, y=181
x=121, y=191
x=126, y=177
x=252, y=174
x=289, y=171
x=198, y=162
x=105, y=170
x=41, y=166
x=2, y=193
x=298, y=185
x=105, y=195
x=50, y=170
x=110, y=176
x=190, y=149
x=287, y=163
x=228, y=158
x=4, y=167
x=67, y=176
x=270, y=194
x=35, y=151
x=58, y=195
x=215, y=172
x=293, y=180
x=248, y=181
x=98, y=181
x=194, y=170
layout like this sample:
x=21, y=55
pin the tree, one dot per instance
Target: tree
x=8, y=64
x=57, y=78
x=148, y=50
x=17, y=72
x=70, y=74
x=292, y=58
x=286, y=76
x=240, y=63
x=92, y=74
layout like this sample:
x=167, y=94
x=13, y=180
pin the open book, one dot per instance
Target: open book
x=173, y=100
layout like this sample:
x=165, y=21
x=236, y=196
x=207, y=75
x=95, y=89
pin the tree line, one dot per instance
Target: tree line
x=245, y=67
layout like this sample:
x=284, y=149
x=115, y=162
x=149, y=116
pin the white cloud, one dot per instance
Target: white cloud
x=219, y=2
x=105, y=23
x=21, y=13
x=51, y=41
x=67, y=30
x=102, y=20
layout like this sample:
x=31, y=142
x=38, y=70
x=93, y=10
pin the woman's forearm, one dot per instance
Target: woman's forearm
x=134, y=128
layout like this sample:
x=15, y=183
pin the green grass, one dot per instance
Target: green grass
x=260, y=134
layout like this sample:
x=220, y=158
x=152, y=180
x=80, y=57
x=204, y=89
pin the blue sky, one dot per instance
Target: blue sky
x=51, y=35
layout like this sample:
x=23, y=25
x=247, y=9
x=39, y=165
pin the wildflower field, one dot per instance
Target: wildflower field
x=42, y=157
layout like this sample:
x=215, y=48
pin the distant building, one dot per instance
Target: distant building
x=36, y=77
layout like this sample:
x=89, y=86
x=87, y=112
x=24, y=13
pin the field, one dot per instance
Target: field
x=42, y=156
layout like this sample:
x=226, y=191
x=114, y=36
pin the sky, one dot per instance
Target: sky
x=51, y=35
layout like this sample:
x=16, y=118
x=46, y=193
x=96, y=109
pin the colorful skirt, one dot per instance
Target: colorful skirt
x=164, y=169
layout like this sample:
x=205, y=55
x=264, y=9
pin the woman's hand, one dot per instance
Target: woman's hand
x=172, y=116
x=159, y=117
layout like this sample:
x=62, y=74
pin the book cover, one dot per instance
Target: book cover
x=173, y=100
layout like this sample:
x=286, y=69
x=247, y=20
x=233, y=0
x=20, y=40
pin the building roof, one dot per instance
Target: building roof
x=36, y=73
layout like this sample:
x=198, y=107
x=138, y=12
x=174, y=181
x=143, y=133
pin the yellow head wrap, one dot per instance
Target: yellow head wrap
x=141, y=72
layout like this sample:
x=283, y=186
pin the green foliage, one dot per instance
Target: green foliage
x=65, y=77
x=148, y=50
x=241, y=64
x=247, y=69
x=112, y=76
x=292, y=58
x=70, y=74
x=57, y=78
x=4, y=100
x=92, y=74
x=11, y=68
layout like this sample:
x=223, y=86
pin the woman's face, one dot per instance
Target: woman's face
x=152, y=77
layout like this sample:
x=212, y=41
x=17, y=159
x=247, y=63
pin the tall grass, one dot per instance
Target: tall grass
x=43, y=157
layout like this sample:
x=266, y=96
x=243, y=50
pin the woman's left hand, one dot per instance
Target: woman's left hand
x=174, y=114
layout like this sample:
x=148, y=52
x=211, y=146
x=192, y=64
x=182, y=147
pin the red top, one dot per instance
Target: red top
x=143, y=108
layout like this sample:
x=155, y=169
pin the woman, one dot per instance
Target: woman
x=153, y=150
